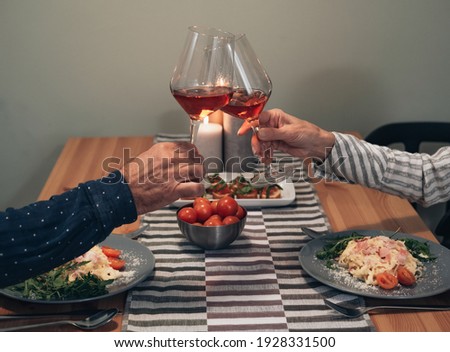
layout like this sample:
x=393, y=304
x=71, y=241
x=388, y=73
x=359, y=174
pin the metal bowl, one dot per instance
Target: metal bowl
x=211, y=237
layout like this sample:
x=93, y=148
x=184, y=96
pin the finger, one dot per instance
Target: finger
x=187, y=152
x=265, y=117
x=269, y=134
x=245, y=127
x=190, y=189
x=256, y=145
x=189, y=172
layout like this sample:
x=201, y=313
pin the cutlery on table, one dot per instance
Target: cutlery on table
x=17, y=316
x=91, y=322
x=313, y=233
x=357, y=312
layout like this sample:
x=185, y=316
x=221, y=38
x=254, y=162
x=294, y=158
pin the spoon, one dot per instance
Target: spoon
x=90, y=323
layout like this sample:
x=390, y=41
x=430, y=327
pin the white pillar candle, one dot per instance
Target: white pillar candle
x=209, y=144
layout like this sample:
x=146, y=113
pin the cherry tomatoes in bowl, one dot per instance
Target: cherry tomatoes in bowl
x=214, y=221
x=200, y=200
x=231, y=219
x=203, y=210
x=227, y=206
x=240, y=212
x=215, y=232
x=188, y=215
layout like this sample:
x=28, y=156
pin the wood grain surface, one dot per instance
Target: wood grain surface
x=346, y=206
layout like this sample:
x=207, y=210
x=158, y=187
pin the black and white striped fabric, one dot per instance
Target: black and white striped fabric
x=256, y=284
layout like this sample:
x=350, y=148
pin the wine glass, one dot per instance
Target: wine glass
x=202, y=81
x=251, y=91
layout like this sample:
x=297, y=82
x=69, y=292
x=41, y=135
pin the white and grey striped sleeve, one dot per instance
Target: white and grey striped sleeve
x=419, y=177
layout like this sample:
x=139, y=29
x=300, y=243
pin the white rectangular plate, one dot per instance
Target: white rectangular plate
x=287, y=194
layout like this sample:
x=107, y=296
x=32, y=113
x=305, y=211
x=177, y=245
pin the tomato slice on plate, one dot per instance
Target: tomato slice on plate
x=111, y=252
x=386, y=280
x=405, y=277
x=116, y=263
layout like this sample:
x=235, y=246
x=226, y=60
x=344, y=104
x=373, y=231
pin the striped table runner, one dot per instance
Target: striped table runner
x=256, y=284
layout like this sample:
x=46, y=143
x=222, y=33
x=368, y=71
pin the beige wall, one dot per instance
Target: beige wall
x=102, y=67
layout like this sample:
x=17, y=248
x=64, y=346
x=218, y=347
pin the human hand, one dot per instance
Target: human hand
x=287, y=133
x=163, y=174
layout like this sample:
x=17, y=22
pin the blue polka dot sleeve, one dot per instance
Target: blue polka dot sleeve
x=46, y=234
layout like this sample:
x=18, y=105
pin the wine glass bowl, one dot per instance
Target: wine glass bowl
x=202, y=81
x=252, y=88
x=202, y=101
x=252, y=85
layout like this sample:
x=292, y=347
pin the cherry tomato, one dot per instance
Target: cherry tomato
x=227, y=206
x=214, y=206
x=200, y=200
x=405, y=277
x=213, y=221
x=231, y=219
x=203, y=211
x=188, y=214
x=240, y=212
x=215, y=217
x=111, y=252
x=116, y=263
x=197, y=224
x=386, y=280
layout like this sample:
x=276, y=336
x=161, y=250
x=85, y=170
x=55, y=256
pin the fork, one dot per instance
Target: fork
x=357, y=312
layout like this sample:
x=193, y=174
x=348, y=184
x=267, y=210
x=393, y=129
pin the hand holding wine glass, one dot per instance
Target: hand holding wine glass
x=203, y=78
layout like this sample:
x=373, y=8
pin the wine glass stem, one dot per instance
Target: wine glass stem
x=267, y=152
x=195, y=126
x=266, y=157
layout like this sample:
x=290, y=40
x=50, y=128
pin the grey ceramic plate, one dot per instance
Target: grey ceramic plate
x=140, y=263
x=435, y=279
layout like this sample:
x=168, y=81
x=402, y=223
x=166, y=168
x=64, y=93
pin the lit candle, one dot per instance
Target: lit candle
x=209, y=144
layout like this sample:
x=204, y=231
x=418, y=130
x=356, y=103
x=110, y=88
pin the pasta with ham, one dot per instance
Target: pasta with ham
x=370, y=256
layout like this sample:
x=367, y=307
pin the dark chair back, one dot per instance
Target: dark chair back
x=412, y=135
x=443, y=229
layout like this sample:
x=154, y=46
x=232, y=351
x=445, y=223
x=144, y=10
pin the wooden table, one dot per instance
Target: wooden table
x=347, y=207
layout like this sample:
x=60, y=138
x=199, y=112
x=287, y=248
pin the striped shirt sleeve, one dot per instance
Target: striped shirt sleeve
x=418, y=177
